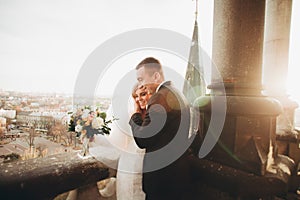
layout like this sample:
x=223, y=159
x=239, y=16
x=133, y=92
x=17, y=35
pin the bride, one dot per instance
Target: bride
x=118, y=150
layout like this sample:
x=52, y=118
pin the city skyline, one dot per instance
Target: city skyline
x=46, y=43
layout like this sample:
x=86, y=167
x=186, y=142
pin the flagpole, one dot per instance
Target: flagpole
x=196, y=12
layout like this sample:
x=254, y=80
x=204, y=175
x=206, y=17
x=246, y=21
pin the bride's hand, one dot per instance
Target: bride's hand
x=137, y=108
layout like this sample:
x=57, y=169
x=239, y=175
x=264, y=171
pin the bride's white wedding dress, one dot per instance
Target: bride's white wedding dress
x=119, y=151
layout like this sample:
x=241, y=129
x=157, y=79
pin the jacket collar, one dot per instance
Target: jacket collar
x=164, y=83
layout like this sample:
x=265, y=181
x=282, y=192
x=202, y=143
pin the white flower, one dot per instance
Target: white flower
x=97, y=123
x=78, y=128
x=85, y=115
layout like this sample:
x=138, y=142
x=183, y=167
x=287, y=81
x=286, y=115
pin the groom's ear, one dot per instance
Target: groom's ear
x=157, y=77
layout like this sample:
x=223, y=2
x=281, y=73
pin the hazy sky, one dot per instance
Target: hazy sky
x=44, y=43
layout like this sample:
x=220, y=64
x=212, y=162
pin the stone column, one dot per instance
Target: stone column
x=238, y=45
x=276, y=56
x=247, y=140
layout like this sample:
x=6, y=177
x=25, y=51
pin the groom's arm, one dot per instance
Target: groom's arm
x=135, y=122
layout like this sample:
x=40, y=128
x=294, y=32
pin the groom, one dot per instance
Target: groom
x=164, y=128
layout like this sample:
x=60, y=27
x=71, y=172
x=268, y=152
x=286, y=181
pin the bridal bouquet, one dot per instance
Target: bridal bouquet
x=99, y=124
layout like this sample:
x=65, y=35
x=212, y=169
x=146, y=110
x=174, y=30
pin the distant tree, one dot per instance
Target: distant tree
x=8, y=123
x=67, y=137
x=32, y=133
x=1, y=132
x=58, y=131
x=42, y=150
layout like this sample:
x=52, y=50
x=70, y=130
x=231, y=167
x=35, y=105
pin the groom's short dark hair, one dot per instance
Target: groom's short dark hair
x=151, y=65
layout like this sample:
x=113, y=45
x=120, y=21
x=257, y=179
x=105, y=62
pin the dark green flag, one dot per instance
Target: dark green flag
x=194, y=85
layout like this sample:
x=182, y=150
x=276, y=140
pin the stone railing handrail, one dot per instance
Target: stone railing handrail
x=44, y=178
